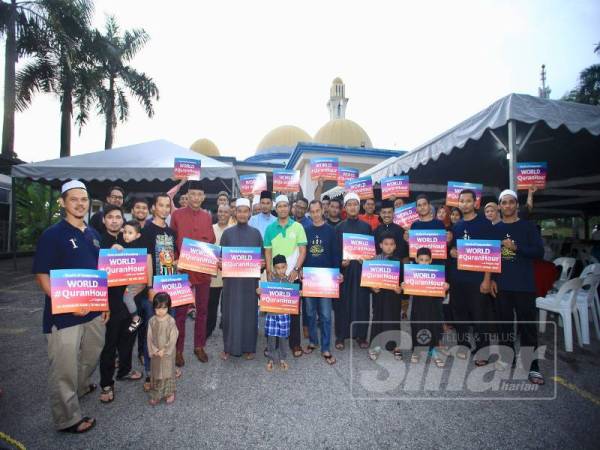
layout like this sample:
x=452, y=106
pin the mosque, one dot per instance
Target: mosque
x=291, y=147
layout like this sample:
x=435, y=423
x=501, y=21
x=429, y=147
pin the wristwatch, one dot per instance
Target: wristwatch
x=296, y=269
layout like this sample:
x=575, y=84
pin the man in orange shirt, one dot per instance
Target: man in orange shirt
x=369, y=216
x=195, y=223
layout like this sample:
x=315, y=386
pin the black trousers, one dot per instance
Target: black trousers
x=214, y=298
x=117, y=339
x=470, y=305
x=295, y=336
x=523, y=304
x=426, y=334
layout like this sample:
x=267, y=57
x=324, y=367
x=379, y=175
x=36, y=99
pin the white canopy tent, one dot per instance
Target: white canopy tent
x=485, y=148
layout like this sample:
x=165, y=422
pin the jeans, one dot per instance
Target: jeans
x=322, y=306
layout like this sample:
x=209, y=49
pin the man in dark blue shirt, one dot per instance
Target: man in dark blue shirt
x=321, y=251
x=75, y=340
x=521, y=244
x=470, y=291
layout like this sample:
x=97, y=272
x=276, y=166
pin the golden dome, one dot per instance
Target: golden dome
x=205, y=147
x=343, y=132
x=283, y=136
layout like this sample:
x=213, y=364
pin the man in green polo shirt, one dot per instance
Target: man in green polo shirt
x=286, y=237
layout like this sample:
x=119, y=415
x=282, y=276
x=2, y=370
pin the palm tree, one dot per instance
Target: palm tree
x=588, y=89
x=58, y=63
x=16, y=18
x=114, y=52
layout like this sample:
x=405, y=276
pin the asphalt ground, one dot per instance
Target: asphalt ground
x=238, y=404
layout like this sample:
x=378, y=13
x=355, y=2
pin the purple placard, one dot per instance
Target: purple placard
x=456, y=187
x=279, y=298
x=358, y=246
x=531, y=174
x=124, y=267
x=320, y=282
x=286, y=181
x=241, y=262
x=424, y=280
x=363, y=187
x=72, y=290
x=479, y=255
x=406, y=215
x=394, y=187
x=434, y=240
x=253, y=184
x=380, y=273
x=345, y=174
x=185, y=167
x=326, y=168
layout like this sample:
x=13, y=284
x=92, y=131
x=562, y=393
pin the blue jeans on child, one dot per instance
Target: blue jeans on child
x=322, y=307
x=147, y=311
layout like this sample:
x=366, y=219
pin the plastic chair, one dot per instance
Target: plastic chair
x=564, y=302
x=590, y=269
x=567, y=264
x=587, y=298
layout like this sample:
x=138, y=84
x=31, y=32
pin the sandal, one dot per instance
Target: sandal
x=439, y=362
x=362, y=343
x=153, y=402
x=248, y=356
x=339, y=345
x=170, y=399
x=91, y=388
x=147, y=385
x=374, y=353
x=224, y=356
x=107, y=395
x=135, y=324
x=75, y=428
x=329, y=359
x=133, y=375
x=310, y=348
x=178, y=372
x=397, y=354
x=481, y=362
x=535, y=377
x=298, y=352
x=270, y=366
x=283, y=365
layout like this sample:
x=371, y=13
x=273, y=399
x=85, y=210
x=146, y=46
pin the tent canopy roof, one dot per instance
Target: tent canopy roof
x=140, y=162
x=564, y=134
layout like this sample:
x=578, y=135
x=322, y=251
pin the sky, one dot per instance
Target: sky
x=231, y=71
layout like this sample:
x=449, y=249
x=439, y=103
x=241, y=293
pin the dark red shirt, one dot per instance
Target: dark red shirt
x=196, y=225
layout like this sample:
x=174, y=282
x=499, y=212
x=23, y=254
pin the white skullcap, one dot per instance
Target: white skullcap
x=351, y=196
x=281, y=198
x=507, y=192
x=73, y=184
x=242, y=202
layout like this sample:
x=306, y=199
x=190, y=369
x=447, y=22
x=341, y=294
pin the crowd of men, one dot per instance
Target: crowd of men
x=305, y=234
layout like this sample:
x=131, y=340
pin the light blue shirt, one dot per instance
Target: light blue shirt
x=261, y=221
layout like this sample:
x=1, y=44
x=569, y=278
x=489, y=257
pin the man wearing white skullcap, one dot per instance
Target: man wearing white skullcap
x=75, y=340
x=238, y=301
x=355, y=306
x=521, y=245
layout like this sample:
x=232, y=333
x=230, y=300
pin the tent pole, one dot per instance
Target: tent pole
x=13, y=221
x=512, y=154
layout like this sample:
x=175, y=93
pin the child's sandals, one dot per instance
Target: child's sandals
x=283, y=365
x=270, y=366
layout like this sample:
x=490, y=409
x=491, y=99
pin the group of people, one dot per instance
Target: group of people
x=292, y=237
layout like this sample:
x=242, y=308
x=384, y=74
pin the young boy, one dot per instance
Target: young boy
x=387, y=305
x=424, y=309
x=277, y=326
x=131, y=235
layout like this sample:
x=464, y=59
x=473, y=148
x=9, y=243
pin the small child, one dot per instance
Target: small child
x=131, y=235
x=277, y=326
x=424, y=309
x=387, y=306
x=162, y=337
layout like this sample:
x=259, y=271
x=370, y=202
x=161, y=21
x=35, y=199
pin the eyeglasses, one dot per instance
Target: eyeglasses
x=116, y=197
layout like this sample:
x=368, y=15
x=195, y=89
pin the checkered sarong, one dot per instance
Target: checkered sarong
x=277, y=325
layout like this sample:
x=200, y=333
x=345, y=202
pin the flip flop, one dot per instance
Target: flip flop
x=74, y=429
x=329, y=359
x=133, y=375
x=339, y=346
x=309, y=349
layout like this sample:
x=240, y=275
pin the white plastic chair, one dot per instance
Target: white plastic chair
x=587, y=298
x=564, y=302
x=590, y=269
x=567, y=265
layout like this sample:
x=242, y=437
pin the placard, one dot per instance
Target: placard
x=177, y=286
x=253, y=184
x=479, y=255
x=405, y=215
x=531, y=174
x=124, y=267
x=320, y=282
x=72, y=290
x=380, y=273
x=394, y=187
x=279, y=298
x=185, y=167
x=345, y=174
x=241, y=262
x=198, y=256
x=456, y=187
x=286, y=181
x=325, y=168
x=424, y=280
x=434, y=240
x=358, y=246
x=363, y=187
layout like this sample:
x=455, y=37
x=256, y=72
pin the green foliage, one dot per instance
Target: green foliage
x=37, y=208
x=588, y=88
